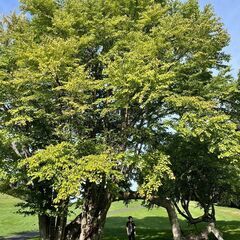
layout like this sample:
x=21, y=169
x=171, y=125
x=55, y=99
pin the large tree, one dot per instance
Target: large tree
x=86, y=89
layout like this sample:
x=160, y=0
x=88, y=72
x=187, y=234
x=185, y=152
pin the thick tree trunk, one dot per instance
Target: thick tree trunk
x=60, y=227
x=43, y=222
x=95, y=208
x=51, y=228
x=173, y=218
x=46, y=227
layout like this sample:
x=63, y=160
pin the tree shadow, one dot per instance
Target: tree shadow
x=151, y=228
x=21, y=236
x=231, y=229
x=155, y=228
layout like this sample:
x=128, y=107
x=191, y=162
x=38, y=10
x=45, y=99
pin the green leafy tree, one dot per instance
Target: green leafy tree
x=88, y=91
x=200, y=139
x=69, y=134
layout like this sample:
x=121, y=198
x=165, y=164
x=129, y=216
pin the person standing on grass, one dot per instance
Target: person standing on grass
x=131, y=228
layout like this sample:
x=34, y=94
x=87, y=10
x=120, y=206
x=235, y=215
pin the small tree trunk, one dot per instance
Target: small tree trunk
x=172, y=215
x=212, y=228
x=176, y=230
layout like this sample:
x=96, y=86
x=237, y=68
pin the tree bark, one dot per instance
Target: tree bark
x=43, y=222
x=46, y=227
x=215, y=231
x=173, y=218
x=51, y=228
x=95, y=208
x=172, y=215
x=60, y=227
x=73, y=229
x=204, y=235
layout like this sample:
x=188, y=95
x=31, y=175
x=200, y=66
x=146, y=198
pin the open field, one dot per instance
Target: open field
x=151, y=224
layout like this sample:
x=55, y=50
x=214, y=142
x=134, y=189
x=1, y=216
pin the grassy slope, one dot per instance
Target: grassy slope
x=151, y=224
x=12, y=223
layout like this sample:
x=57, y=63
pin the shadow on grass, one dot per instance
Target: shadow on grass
x=152, y=228
x=231, y=229
x=21, y=236
x=155, y=228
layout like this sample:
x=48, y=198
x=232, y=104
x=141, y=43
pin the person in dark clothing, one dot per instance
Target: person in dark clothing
x=131, y=228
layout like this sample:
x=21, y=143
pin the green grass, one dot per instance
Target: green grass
x=12, y=223
x=151, y=224
x=154, y=224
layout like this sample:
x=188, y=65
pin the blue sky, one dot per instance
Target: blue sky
x=228, y=10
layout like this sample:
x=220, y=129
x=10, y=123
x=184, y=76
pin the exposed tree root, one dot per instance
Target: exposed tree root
x=204, y=235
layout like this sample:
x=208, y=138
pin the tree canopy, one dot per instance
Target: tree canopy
x=97, y=93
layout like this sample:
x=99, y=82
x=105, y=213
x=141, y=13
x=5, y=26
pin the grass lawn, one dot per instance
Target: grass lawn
x=151, y=224
x=12, y=223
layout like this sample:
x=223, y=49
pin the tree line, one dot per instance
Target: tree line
x=96, y=94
